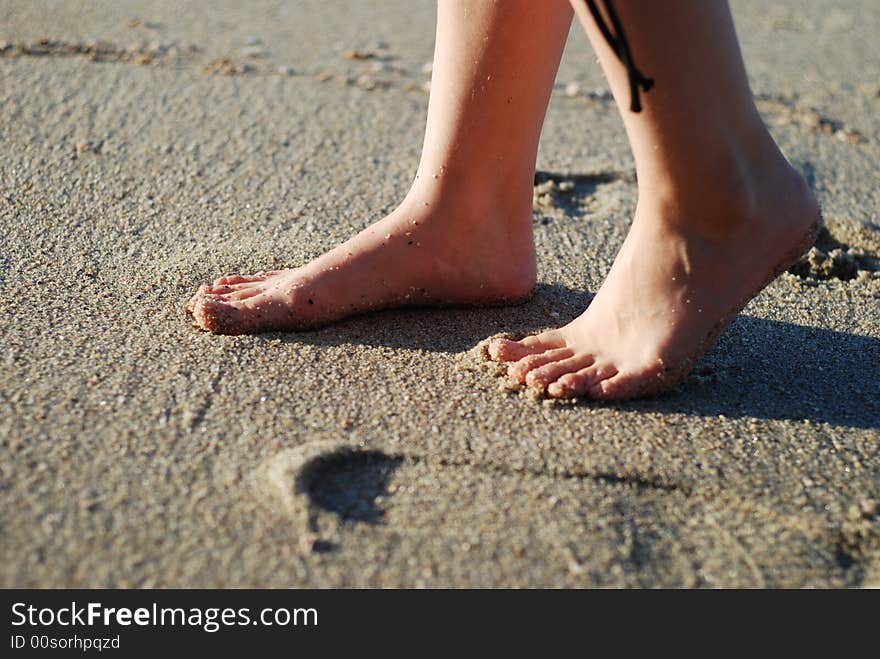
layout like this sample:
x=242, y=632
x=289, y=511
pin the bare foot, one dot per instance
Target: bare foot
x=673, y=288
x=428, y=252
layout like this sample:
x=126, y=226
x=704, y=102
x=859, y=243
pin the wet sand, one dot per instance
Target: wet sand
x=151, y=146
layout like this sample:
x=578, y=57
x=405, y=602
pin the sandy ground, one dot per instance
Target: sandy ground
x=138, y=451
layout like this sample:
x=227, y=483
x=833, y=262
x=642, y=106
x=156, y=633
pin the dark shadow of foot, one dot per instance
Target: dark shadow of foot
x=446, y=330
x=759, y=368
x=776, y=370
x=349, y=484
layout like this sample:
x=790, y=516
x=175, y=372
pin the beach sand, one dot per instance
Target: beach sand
x=150, y=146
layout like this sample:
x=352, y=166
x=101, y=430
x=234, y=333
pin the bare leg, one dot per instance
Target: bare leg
x=463, y=233
x=720, y=212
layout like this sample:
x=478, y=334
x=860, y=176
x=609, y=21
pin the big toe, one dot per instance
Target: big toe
x=218, y=316
x=505, y=350
x=201, y=291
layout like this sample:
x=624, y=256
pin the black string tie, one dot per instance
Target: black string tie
x=619, y=45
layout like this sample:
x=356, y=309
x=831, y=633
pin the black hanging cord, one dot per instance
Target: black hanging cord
x=618, y=43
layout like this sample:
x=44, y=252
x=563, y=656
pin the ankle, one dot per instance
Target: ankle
x=488, y=235
x=474, y=203
x=741, y=187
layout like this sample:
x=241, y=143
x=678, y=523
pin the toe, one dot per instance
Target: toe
x=580, y=382
x=552, y=371
x=243, y=294
x=505, y=350
x=191, y=304
x=613, y=388
x=602, y=383
x=226, y=289
x=519, y=370
x=646, y=382
x=230, y=280
x=567, y=386
x=217, y=316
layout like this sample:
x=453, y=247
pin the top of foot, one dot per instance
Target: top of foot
x=422, y=254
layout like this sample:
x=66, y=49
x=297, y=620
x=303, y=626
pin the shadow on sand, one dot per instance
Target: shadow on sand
x=349, y=484
x=759, y=368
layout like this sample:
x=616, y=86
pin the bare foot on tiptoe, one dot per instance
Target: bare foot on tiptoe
x=430, y=251
x=671, y=291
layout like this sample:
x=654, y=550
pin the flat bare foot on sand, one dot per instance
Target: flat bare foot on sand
x=425, y=253
x=674, y=286
x=463, y=234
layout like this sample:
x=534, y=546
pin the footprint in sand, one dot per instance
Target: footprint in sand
x=411, y=519
x=330, y=476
